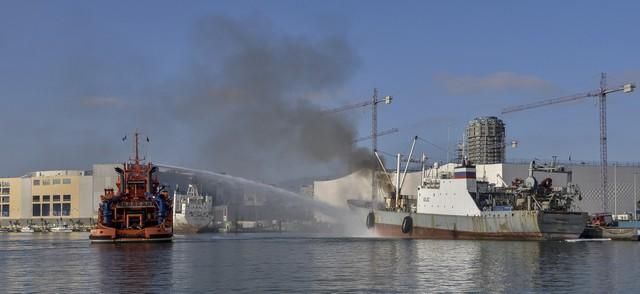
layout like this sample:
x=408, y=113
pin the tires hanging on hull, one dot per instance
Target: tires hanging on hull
x=407, y=224
x=371, y=220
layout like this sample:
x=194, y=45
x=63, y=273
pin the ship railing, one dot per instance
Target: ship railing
x=134, y=204
x=574, y=162
x=536, y=203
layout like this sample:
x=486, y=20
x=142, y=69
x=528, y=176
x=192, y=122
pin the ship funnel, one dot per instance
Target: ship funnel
x=149, y=180
x=121, y=176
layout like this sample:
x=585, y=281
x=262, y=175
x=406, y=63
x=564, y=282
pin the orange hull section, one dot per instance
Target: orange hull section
x=150, y=234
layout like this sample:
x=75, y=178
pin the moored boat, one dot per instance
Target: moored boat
x=26, y=229
x=139, y=211
x=455, y=205
x=64, y=228
x=602, y=225
x=193, y=213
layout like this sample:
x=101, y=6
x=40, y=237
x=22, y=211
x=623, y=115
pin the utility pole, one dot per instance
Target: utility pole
x=602, y=104
x=635, y=197
x=374, y=145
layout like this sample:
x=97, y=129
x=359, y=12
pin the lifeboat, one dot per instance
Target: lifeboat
x=139, y=211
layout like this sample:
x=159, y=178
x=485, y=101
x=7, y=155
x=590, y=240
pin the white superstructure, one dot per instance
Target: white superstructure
x=192, y=212
x=450, y=197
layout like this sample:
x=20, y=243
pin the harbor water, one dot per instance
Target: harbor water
x=279, y=263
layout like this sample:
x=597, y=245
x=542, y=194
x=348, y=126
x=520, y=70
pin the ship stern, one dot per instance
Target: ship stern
x=562, y=225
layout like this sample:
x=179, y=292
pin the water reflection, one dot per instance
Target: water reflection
x=133, y=267
x=251, y=263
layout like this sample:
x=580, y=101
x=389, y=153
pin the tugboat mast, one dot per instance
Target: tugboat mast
x=137, y=157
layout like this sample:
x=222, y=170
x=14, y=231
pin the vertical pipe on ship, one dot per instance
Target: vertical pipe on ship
x=397, y=204
x=149, y=179
x=123, y=185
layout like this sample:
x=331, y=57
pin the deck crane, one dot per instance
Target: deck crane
x=374, y=127
x=601, y=94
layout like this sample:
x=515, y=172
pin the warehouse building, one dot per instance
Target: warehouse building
x=47, y=196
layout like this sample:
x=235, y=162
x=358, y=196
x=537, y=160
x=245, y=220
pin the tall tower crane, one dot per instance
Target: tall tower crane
x=374, y=127
x=601, y=94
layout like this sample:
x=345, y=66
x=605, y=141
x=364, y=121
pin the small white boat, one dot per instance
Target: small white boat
x=26, y=229
x=61, y=229
x=588, y=240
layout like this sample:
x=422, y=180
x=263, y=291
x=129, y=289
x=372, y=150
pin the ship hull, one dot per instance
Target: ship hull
x=614, y=233
x=112, y=235
x=184, y=224
x=493, y=225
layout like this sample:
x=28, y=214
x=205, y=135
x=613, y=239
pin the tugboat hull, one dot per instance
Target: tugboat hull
x=111, y=235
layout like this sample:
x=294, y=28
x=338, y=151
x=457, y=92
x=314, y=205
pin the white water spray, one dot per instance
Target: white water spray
x=352, y=225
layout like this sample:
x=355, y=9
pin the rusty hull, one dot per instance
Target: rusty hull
x=491, y=225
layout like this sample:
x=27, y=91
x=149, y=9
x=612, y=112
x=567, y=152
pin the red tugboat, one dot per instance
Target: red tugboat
x=140, y=211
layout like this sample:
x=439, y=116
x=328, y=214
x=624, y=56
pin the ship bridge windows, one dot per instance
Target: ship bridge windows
x=55, y=181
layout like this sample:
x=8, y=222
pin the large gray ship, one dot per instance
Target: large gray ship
x=193, y=213
x=455, y=205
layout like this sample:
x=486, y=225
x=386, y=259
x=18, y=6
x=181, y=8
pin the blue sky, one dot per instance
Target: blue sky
x=444, y=62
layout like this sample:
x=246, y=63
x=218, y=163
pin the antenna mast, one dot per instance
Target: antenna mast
x=137, y=158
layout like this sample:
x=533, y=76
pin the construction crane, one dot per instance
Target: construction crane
x=385, y=132
x=374, y=113
x=374, y=127
x=601, y=94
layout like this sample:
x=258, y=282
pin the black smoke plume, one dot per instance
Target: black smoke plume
x=253, y=92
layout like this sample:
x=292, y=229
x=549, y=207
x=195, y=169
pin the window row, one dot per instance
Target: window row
x=4, y=210
x=45, y=182
x=5, y=191
x=55, y=209
x=47, y=198
x=4, y=199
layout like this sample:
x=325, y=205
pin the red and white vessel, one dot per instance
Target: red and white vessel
x=139, y=211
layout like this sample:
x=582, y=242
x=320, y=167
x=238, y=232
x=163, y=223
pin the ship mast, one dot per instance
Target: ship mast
x=137, y=159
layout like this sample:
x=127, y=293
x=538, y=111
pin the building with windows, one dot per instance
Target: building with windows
x=47, y=196
x=485, y=140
